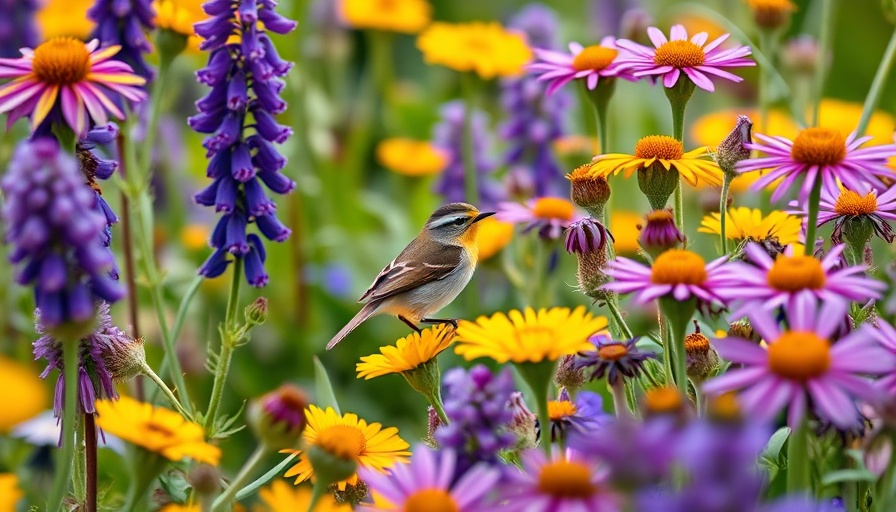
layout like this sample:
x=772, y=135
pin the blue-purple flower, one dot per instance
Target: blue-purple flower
x=94, y=167
x=125, y=24
x=584, y=414
x=17, y=26
x=614, y=359
x=238, y=114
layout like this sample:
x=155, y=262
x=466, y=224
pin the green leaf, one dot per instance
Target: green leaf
x=771, y=455
x=848, y=475
x=251, y=488
x=325, y=396
x=176, y=485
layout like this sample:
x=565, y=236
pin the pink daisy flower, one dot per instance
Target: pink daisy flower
x=818, y=154
x=844, y=205
x=583, y=62
x=550, y=216
x=565, y=482
x=696, y=58
x=769, y=283
x=679, y=273
x=803, y=367
x=426, y=484
x=79, y=78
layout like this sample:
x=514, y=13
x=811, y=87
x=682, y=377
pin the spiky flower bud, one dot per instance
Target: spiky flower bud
x=125, y=359
x=589, y=191
x=591, y=275
x=278, y=418
x=732, y=150
x=702, y=359
x=586, y=235
x=568, y=375
x=524, y=424
x=257, y=312
x=660, y=234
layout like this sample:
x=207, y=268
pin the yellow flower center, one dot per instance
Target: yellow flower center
x=659, y=216
x=559, y=409
x=662, y=400
x=795, y=273
x=696, y=343
x=680, y=54
x=595, y=57
x=343, y=441
x=799, y=355
x=853, y=204
x=659, y=146
x=723, y=407
x=61, y=61
x=553, y=208
x=160, y=428
x=566, y=479
x=613, y=352
x=678, y=266
x=819, y=146
x=581, y=173
x=430, y=500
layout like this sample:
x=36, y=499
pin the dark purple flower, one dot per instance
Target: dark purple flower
x=55, y=229
x=17, y=27
x=613, y=359
x=125, y=23
x=660, y=234
x=245, y=79
x=586, y=236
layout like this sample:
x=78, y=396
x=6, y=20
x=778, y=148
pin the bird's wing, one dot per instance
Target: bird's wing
x=401, y=275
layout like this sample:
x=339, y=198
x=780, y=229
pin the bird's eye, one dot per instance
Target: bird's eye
x=460, y=222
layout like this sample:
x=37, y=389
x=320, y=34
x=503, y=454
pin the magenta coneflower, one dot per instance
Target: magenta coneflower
x=670, y=58
x=846, y=205
x=583, y=62
x=803, y=367
x=426, y=484
x=679, y=273
x=79, y=77
x=818, y=154
x=566, y=481
x=548, y=215
x=769, y=283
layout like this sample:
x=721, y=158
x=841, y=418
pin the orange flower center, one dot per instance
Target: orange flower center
x=799, y=355
x=795, y=273
x=819, y=146
x=566, y=479
x=678, y=266
x=853, y=204
x=343, y=441
x=553, y=208
x=659, y=216
x=662, y=400
x=613, y=352
x=559, y=409
x=430, y=500
x=680, y=54
x=595, y=57
x=659, y=146
x=696, y=343
x=61, y=61
x=723, y=407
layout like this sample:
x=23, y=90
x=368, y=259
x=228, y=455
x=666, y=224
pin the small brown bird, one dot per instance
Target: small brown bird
x=428, y=274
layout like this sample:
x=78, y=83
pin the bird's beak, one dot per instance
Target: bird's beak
x=482, y=216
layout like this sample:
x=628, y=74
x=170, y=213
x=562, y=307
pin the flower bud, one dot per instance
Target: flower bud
x=588, y=191
x=586, y=235
x=568, y=376
x=524, y=424
x=125, y=358
x=591, y=276
x=278, y=418
x=432, y=424
x=771, y=14
x=257, y=312
x=660, y=234
x=657, y=183
x=732, y=150
x=702, y=359
x=205, y=479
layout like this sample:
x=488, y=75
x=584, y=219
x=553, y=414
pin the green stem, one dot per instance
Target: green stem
x=667, y=349
x=225, y=500
x=620, y=402
x=824, y=45
x=885, y=489
x=679, y=356
x=182, y=309
x=435, y=399
x=811, y=227
x=471, y=187
x=536, y=282
x=613, y=306
x=678, y=96
x=877, y=86
x=222, y=368
x=79, y=468
x=164, y=389
x=265, y=478
x=723, y=211
x=698, y=399
x=90, y=462
x=798, y=478
x=538, y=376
x=66, y=456
x=317, y=492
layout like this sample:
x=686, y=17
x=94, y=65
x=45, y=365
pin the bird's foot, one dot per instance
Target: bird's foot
x=410, y=324
x=452, y=321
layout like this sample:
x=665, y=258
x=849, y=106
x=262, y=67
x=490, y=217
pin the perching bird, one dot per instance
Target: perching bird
x=428, y=274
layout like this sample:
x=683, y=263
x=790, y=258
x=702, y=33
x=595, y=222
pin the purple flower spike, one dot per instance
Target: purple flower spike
x=17, y=26
x=245, y=79
x=56, y=229
x=125, y=24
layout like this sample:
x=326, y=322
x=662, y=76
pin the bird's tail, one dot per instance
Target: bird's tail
x=366, y=312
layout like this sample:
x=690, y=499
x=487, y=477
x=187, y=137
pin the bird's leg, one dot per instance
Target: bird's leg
x=410, y=324
x=452, y=321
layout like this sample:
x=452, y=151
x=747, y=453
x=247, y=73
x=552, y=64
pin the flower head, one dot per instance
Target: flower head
x=803, y=365
x=278, y=417
x=749, y=225
x=589, y=63
x=367, y=444
x=668, y=153
x=429, y=482
x=528, y=336
x=408, y=353
x=155, y=429
x=179, y=16
x=677, y=273
x=485, y=48
x=411, y=157
x=819, y=154
x=10, y=493
x=584, y=414
x=846, y=208
x=587, y=190
x=126, y=25
x=282, y=497
x=68, y=78
x=406, y=16
x=62, y=18
x=696, y=58
x=733, y=148
x=549, y=216
x=586, y=235
x=614, y=360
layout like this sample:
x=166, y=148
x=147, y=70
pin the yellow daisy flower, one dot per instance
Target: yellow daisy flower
x=180, y=16
x=10, y=493
x=156, y=429
x=409, y=353
x=65, y=18
x=528, y=336
x=29, y=399
x=493, y=235
x=174, y=507
x=411, y=157
x=748, y=224
x=282, y=497
x=407, y=16
x=486, y=48
x=669, y=152
x=624, y=226
x=370, y=445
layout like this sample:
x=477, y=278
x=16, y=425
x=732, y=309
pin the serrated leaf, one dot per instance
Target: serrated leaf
x=325, y=395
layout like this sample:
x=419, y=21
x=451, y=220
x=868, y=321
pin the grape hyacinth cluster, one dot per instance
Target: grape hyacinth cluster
x=56, y=230
x=238, y=114
x=17, y=26
x=125, y=24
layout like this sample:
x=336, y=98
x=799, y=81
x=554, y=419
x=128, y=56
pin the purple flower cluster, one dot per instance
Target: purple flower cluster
x=17, y=27
x=448, y=136
x=535, y=119
x=94, y=167
x=56, y=229
x=125, y=24
x=95, y=379
x=477, y=406
x=238, y=113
